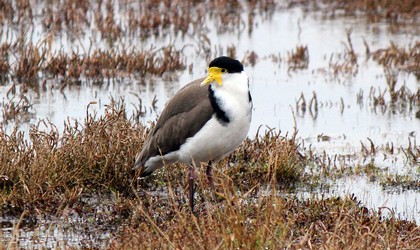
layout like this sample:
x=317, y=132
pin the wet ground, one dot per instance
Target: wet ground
x=342, y=123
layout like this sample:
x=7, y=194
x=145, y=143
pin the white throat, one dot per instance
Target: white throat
x=233, y=95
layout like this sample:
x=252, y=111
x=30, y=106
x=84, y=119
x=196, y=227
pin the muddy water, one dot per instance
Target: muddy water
x=339, y=127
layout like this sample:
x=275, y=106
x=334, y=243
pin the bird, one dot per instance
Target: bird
x=203, y=122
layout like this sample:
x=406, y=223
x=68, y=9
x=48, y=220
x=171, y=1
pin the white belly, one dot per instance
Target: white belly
x=214, y=140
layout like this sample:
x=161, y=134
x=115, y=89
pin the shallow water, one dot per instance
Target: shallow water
x=87, y=231
x=275, y=92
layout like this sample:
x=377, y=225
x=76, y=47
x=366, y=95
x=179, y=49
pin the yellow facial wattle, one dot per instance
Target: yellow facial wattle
x=215, y=74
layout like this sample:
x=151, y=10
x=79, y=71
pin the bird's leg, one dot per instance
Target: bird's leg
x=191, y=177
x=210, y=181
x=209, y=175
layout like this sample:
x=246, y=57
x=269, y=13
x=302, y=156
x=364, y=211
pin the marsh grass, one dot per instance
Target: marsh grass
x=54, y=172
x=400, y=183
x=374, y=10
x=18, y=108
x=298, y=59
x=268, y=221
x=51, y=169
x=55, y=166
x=85, y=169
x=26, y=61
x=33, y=62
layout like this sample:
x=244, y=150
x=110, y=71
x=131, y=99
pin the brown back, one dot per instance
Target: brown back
x=183, y=116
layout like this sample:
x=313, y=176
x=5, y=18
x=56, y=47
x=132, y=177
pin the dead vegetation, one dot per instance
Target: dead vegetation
x=96, y=154
x=346, y=63
x=46, y=172
x=395, y=96
x=374, y=10
x=298, y=59
x=25, y=60
x=32, y=64
x=17, y=108
x=269, y=221
x=397, y=58
x=247, y=209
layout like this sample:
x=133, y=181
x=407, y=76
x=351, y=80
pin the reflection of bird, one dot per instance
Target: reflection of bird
x=205, y=121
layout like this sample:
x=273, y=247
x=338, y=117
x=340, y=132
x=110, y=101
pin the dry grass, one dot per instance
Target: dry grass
x=263, y=221
x=98, y=154
x=247, y=209
x=47, y=172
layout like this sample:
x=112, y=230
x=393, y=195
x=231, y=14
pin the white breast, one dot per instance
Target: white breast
x=215, y=140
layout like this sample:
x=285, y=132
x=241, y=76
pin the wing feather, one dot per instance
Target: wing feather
x=183, y=116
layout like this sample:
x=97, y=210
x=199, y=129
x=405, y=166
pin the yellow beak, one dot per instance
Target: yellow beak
x=215, y=74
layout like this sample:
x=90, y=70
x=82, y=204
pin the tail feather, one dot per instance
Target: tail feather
x=147, y=168
x=152, y=163
x=138, y=163
x=146, y=171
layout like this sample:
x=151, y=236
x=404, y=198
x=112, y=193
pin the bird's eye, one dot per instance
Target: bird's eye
x=224, y=70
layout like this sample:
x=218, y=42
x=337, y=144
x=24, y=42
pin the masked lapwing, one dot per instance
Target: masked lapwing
x=205, y=121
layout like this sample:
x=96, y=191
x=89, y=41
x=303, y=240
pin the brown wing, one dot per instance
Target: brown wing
x=184, y=115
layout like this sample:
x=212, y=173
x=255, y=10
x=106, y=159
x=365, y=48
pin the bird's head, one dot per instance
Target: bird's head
x=220, y=67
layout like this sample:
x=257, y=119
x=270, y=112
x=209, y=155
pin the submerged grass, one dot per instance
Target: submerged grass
x=375, y=10
x=33, y=62
x=400, y=59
